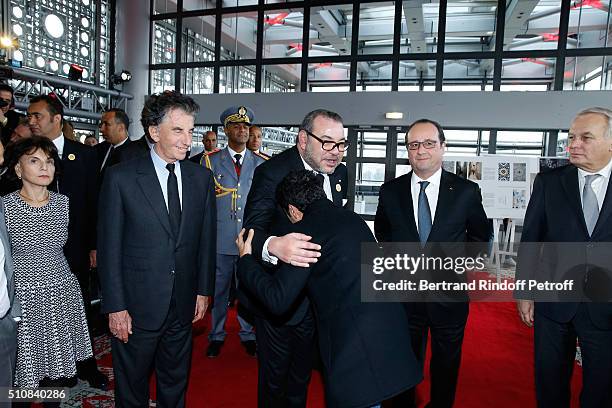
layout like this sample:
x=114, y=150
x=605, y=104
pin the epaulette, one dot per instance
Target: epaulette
x=262, y=155
x=213, y=152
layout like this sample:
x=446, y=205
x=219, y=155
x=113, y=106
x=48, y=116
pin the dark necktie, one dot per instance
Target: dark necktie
x=321, y=179
x=174, y=204
x=237, y=164
x=424, y=214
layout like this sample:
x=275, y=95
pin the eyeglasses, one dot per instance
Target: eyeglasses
x=327, y=145
x=428, y=144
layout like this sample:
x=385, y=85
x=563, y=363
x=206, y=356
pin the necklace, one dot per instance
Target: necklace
x=33, y=200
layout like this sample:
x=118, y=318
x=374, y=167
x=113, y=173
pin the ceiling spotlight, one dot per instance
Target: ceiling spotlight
x=124, y=76
x=75, y=73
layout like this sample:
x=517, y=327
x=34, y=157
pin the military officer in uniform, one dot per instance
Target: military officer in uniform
x=233, y=169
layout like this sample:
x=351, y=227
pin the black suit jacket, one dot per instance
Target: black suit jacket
x=197, y=158
x=140, y=261
x=459, y=217
x=263, y=214
x=131, y=150
x=554, y=215
x=78, y=179
x=365, y=347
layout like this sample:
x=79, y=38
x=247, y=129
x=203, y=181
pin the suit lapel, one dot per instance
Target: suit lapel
x=336, y=187
x=569, y=181
x=445, y=199
x=248, y=162
x=606, y=209
x=408, y=208
x=149, y=184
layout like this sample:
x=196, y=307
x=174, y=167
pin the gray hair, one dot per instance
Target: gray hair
x=607, y=113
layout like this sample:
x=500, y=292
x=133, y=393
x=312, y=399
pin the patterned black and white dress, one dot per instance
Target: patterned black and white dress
x=53, y=334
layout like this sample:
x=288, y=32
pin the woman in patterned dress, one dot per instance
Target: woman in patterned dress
x=52, y=335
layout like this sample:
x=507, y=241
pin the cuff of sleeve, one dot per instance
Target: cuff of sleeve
x=265, y=255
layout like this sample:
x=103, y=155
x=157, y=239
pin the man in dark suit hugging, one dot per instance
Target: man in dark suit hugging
x=346, y=326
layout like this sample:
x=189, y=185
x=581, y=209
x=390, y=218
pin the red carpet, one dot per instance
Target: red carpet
x=496, y=370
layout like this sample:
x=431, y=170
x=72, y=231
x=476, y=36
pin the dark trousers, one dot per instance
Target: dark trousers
x=555, y=350
x=8, y=350
x=284, y=355
x=446, y=342
x=167, y=349
x=88, y=367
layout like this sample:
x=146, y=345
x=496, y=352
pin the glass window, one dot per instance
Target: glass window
x=164, y=41
x=517, y=71
x=515, y=141
x=374, y=76
x=281, y=78
x=236, y=3
x=164, y=6
x=376, y=21
x=237, y=79
x=162, y=80
x=413, y=74
x=470, y=26
x=197, y=80
x=239, y=36
x=467, y=74
x=198, y=39
x=369, y=178
x=328, y=73
x=282, y=36
x=189, y=5
x=587, y=73
x=532, y=25
x=589, y=25
x=330, y=30
x=371, y=144
x=419, y=32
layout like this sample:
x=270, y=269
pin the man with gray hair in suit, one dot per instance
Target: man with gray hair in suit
x=9, y=310
x=233, y=169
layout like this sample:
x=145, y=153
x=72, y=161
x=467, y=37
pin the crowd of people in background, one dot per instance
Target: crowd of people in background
x=171, y=235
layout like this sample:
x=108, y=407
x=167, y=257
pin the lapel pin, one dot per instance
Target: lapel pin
x=451, y=188
x=338, y=187
x=71, y=156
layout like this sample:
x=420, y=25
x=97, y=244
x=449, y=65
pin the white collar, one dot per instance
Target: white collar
x=59, y=144
x=434, y=179
x=233, y=153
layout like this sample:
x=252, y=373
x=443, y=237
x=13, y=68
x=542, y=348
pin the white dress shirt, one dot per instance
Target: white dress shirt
x=59, y=144
x=432, y=191
x=599, y=185
x=163, y=173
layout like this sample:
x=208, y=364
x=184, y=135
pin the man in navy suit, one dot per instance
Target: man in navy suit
x=572, y=204
x=157, y=256
x=430, y=205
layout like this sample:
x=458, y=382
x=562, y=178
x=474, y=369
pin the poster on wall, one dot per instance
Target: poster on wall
x=505, y=181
